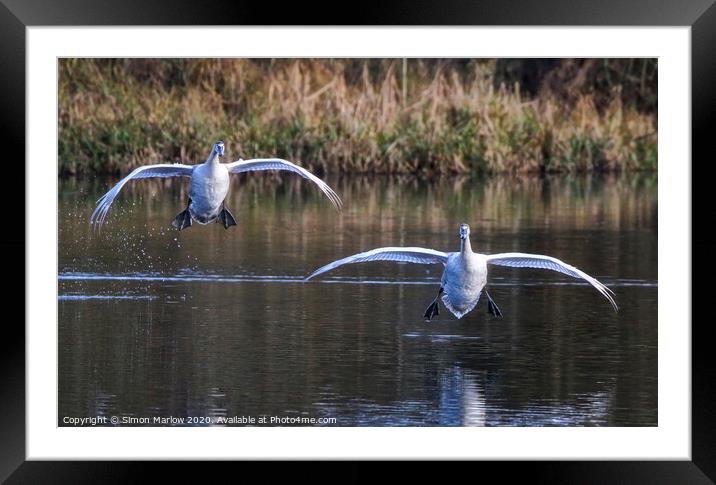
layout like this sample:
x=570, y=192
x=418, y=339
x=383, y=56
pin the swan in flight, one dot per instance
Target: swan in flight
x=465, y=274
x=209, y=186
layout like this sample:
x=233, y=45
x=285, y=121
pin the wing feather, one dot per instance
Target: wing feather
x=398, y=254
x=160, y=170
x=279, y=164
x=538, y=261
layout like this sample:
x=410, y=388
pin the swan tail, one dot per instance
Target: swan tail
x=461, y=311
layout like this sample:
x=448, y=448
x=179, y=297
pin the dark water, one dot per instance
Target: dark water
x=211, y=323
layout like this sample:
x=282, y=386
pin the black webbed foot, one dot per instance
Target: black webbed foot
x=433, y=309
x=226, y=218
x=183, y=219
x=492, y=307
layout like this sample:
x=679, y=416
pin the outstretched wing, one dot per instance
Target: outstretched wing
x=278, y=164
x=522, y=260
x=405, y=255
x=160, y=170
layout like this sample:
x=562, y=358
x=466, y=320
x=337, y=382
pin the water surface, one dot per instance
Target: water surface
x=218, y=323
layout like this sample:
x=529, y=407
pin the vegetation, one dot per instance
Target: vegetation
x=420, y=116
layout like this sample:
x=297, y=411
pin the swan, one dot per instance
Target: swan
x=209, y=186
x=465, y=275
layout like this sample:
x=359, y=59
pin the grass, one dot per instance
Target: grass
x=340, y=116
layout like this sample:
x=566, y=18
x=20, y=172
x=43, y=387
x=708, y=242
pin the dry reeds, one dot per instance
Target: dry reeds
x=339, y=116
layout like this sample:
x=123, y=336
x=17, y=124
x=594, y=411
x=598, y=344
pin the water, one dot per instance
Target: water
x=214, y=323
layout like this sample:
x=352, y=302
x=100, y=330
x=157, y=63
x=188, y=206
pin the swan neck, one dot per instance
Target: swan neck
x=465, y=247
x=213, y=157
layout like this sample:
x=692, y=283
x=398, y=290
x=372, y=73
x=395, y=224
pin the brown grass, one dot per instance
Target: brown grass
x=339, y=116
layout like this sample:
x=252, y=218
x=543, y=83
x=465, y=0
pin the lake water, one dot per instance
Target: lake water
x=210, y=324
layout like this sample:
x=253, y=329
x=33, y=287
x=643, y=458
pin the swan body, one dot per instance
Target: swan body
x=464, y=278
x=209, y=187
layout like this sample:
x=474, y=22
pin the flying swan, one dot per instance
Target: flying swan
x=465, y=274
x=209, y=186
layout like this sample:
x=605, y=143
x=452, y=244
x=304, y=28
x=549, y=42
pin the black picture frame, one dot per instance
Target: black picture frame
x=700, y=15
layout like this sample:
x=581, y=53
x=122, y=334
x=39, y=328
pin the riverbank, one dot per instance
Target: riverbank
x=339, y=116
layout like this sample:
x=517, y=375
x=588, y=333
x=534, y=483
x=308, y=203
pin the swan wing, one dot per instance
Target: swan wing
x=539, y=261
x=279, y=164
x=404, y=255
x=160, y=170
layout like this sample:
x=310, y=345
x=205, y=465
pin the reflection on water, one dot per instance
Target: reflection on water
x=218, y=323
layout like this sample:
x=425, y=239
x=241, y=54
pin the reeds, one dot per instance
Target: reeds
x=339, y=116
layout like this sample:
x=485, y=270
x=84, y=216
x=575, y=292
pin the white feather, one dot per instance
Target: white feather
x=405, y=255
x=148, y=171
x=539, y=261
x=279, y=164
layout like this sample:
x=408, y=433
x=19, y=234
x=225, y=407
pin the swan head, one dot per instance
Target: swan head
x=464, y=232
x=219, y=148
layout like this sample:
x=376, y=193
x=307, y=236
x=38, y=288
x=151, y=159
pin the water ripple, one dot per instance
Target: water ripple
x=251, y=278
x=106, y=297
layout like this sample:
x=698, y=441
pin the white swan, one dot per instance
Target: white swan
x=465, y=274
x=209, y=186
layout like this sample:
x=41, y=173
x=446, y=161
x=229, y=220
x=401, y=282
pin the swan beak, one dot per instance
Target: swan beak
x=464, y=231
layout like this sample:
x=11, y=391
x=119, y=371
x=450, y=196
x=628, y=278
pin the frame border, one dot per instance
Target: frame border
x=700, y=15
